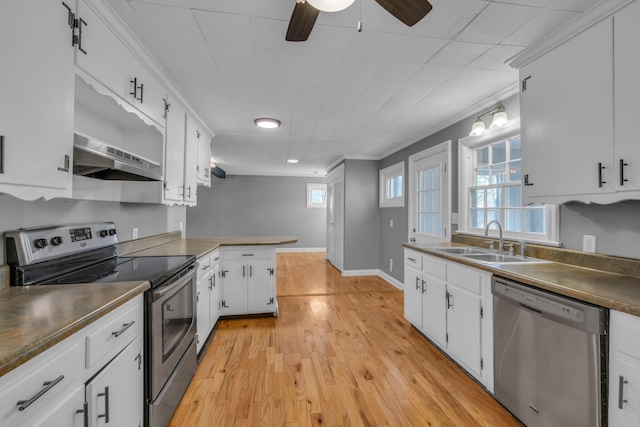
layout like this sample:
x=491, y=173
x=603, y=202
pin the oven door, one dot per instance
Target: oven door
x=172, y=328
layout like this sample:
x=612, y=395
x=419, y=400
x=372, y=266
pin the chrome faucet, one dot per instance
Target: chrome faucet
x=486, y=233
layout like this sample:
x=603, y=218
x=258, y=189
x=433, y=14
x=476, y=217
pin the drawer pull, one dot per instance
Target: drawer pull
x=411, y=259
x=48, y=385
x=248, y=254
x=106, y=404
x=206, y=267
x=125, y=326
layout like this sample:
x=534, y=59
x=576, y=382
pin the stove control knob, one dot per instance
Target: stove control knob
x=112, y=232
x=40, y=243
x=56, y=241
x=104, y=233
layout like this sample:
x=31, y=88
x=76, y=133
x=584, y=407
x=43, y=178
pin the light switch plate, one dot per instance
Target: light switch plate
x=134, y=234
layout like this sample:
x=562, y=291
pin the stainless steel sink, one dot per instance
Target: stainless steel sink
x=502, y=259
x=463, y=251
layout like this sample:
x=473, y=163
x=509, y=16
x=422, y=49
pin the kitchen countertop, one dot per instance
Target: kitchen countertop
x=199, y=246
x=35, y=318
x=614, y=291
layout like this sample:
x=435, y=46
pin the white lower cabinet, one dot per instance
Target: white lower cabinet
x=624, y=370
x=248, y=281
x=49, y=390
x=207, y=296
x=452, y=305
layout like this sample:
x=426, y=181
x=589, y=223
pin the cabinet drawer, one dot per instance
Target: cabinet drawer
x=110, y=339
x=247, y=254
x=413, y=259
x=39, y=384
x=434, y=266
x=214, y=258
x=625, y=333
x=464, y=277
x=204, y=264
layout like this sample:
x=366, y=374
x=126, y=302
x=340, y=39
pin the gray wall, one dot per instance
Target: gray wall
x=361, y=215
x=150, y=219
x=244, y=205
x=391, y=239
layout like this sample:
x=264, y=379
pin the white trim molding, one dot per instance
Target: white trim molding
x=324, y=250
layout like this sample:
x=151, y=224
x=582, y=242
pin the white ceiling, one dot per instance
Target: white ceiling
x=341, y=93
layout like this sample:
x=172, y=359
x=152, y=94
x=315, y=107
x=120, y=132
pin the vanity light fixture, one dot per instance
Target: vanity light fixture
x=499, y=120
x=267, y=123
x=330, y=5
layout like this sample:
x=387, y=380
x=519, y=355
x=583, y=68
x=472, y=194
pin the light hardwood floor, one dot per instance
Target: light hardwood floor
x=339, y=354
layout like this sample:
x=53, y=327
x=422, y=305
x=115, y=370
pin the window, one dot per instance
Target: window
x=392, y=186
x=316, y=195
x=491, y=189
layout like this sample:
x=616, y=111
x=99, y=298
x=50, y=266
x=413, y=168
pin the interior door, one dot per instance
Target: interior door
x=335, y=217
x=429, y=195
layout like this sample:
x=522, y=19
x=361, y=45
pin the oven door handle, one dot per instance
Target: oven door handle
x=175, y=286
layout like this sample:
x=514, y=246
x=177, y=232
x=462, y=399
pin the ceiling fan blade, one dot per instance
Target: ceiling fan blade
x=302, y=20
x=409, y=12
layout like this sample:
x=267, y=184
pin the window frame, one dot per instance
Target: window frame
x=385, y=175
x=311, y=186
x=466, y=150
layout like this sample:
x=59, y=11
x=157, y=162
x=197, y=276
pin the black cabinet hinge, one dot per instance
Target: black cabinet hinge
x=446, y=338
x=223, y=273
x=481, y=312
x=67, y=161
x=75, y=23
x=166, y=108
x=481, y=363
x=224, y=304
x=271, y=271
x=524, y=83
x=271, y=301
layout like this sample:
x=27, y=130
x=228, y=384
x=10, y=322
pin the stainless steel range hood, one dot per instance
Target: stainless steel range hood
x=97, y=159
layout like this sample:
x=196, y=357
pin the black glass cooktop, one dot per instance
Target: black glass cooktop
x=155, y=269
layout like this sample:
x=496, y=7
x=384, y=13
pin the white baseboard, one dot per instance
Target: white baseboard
x=395, y=282
x=301, y=249
x=398, y=284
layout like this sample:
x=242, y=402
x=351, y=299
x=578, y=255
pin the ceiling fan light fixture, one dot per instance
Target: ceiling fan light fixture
x=292, y=160
x=267, y=123
x=330, y=5
x=477, y=128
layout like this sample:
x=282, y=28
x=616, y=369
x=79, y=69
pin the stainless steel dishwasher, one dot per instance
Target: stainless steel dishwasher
x=550, y=356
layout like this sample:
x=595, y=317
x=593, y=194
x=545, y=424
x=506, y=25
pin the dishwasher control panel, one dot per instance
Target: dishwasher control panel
x=541, y=304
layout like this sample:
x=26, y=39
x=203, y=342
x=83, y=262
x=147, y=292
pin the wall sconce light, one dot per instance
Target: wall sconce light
x=499, y=120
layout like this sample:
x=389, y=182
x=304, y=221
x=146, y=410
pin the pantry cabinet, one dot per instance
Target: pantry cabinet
x=102, y=54
x=451, y=304
x=624, y=370
x=36, y=105
x=248, y=281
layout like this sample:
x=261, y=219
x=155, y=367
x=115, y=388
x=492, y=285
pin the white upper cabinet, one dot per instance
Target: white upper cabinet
x=36, y=101
x=204, y=158
x=566, y=103
x=579, y=108
x=627, y=93
x=102, y=55
x=174, y=152
x=191, y=161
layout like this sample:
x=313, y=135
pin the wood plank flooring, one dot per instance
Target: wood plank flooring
x=339, y=354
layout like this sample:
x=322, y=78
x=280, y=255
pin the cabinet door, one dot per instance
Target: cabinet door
x=174, y=152
x=261, y=295
x=36, y=105
x=567, y=118
x=191, y=160
x=627, y=93
x=234, y=292
x=412, y=296
x=202, y=310
x=624, y=370
x=204, y=158
x=69, y=413
x=464, y=327
x=115, y=395
x=434, y=309
x=214, y=295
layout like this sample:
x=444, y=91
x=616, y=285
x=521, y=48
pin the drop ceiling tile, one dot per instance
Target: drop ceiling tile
x=417, y=49
x=168, y=23
x=216, y=27
x=494, y=58
x=227, y=6
x=575, y=5
x=539, y=26
x=173, y=3
x=496, y=22
x=397, y=71
x=459, y=54
x=374, y=45
x=273, y=9
x=448, y=18
x=277, y=60
x=270, y=34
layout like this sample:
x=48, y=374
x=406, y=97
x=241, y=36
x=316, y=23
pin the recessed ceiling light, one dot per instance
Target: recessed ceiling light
x=267, y=123
x=293, y=160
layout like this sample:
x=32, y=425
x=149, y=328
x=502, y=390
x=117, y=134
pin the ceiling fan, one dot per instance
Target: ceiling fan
x=306, y=12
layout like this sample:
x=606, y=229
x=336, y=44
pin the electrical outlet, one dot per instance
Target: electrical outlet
x=391, y=223
x=134, y=234
x=390, y=264
x=589, y=243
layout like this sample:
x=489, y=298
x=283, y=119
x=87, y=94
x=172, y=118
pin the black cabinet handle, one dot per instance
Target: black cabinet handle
x=622, y=178
x=85, y=414
x=417, y=283
x=106, y=404
x=449, y=298
x=134, y=82
x=600, y=181
x=424, y=289
x=621, y=399
x=141, y=99
x=125, y=326
x=1, y=153
x=80, y=23
x=48, y=385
